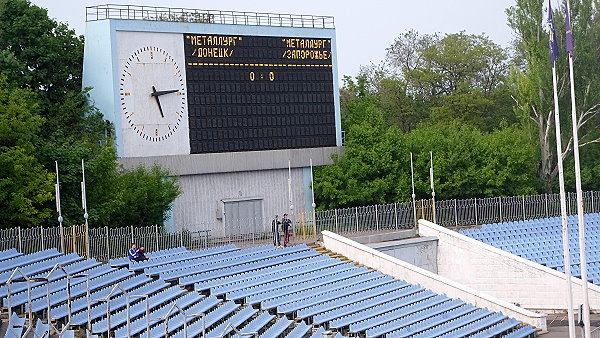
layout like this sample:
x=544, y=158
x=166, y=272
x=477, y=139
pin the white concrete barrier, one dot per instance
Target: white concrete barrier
x=413, y=274
x=502, y=274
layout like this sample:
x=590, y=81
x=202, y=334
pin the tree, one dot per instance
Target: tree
x=454, y=77
x=25, y=189
x=531, y=81
x=46, y=117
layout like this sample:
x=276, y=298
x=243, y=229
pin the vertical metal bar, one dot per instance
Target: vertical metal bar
x=356, y=215
x=523, y=204
x=592, y=200
x=132, y=237
x=42, y=239
x=20, y=240
x=128, y=317
x=376, y=218
x=476, y=221
x=181, y=237
x=546, y=199
x=108, y=314
x=107, y=243
x=500, y=208
x=156, y=232
x=89, y=304
x=74, y=240
x=455, y=213
x=396, y=215
x=147, y=318
x=337, y=229
x=69, y=308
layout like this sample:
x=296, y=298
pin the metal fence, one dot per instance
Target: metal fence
x=153, y=13
x=450, y=213
x=107, y=242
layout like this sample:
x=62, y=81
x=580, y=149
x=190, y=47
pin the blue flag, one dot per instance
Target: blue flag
x=549, y=28
x=569, y=36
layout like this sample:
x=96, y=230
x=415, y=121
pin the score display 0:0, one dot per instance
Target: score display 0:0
x=261, y=76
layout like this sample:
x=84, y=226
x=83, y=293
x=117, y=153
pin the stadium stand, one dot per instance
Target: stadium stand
x=540, y=240
x=226, y=291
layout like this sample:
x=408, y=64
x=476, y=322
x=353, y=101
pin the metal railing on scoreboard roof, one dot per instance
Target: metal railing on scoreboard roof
x=151, y=13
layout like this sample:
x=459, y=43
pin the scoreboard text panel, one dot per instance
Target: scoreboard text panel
x=259, y=93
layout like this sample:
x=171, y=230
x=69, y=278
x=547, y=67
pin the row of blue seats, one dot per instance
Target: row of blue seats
x=8, y=254
x=541, y=241
x=178, y=256
x=293, y=282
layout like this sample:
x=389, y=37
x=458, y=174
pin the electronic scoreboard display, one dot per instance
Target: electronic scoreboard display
x=249, y=93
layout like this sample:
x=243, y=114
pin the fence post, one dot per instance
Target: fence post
x=42, y=239
x=376, y=218
x=20, y=240
x=500, y=208
x=592, y=200
x=523, y=204
x=156, y=233
x=131, y=229
x=396, y=215
x=569, y=202
x=107, y=243
x=356, y=216
x=476, y=222
x=546, y=197
x=74, y=234
x=455, y=213
x=181, y=237
x=337, y=230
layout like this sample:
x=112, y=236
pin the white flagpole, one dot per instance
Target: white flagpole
x=58, y=209
x=432, y=188
x=563, y=206
x=85, y=211
x=580, y=217
x=412, y=179
x=290, y=187
x=312, y=190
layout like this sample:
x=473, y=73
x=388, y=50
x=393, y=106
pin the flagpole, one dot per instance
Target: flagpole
x=85, y=211
x=412, y=178
x=432, y=187
x=580, y=216
x=549, y=27
x=58, y=209
x=312, y=191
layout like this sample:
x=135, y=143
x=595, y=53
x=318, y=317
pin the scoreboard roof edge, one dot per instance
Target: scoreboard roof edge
x=187, y=15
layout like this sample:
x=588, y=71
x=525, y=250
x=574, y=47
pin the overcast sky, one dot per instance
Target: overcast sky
x=364, y=28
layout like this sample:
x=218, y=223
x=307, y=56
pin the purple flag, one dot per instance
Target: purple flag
x=569, y=36
x=549, y=28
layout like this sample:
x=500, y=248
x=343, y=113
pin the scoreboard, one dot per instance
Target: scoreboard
x=258, y=92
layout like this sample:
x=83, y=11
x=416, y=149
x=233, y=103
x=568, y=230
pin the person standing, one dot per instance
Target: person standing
x=275, y=229
x=286, y=225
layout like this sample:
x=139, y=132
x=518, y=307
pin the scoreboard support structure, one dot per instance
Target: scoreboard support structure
x=224, y=106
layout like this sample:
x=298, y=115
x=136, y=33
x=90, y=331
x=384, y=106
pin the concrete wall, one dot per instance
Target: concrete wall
x=232, y=162
x=502, y=274
x=197, y=208
x=421, y=251
x=413, y=274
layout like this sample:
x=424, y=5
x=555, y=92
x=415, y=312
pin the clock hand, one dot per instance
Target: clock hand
x=163, y=92
x=157, y=101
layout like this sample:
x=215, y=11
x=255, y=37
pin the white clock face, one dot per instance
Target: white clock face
x=152, y=94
